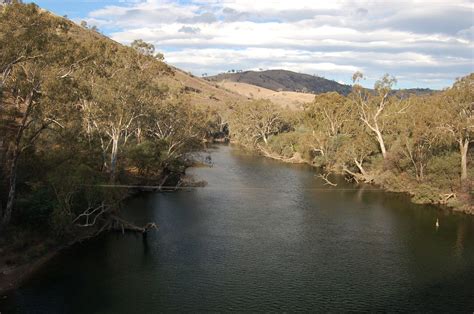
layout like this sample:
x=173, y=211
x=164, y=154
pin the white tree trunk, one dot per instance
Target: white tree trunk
x=365, y=175
x=113, y=158
x=464, y=147
x=381, y=143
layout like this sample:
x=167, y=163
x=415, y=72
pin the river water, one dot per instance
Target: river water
x=264, y=235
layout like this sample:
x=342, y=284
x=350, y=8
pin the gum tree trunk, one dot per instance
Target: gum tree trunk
x=464, y=147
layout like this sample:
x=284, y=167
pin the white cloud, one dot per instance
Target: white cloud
x=427, y=43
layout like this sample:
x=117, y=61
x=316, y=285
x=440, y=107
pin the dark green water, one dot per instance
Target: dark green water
x=265, y=236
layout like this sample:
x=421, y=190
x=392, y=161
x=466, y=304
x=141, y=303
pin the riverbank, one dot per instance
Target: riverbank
x=23, y=257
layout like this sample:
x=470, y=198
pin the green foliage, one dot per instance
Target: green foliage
x=146, y=49
x=146, y=157
x=410, y=144
x=443, y=171
x=287, y=144
x=80, y=111
x=35, y=208
x=425, y=193
x=256, y=122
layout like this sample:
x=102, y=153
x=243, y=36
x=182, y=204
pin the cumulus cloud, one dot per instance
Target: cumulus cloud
x=423, y=43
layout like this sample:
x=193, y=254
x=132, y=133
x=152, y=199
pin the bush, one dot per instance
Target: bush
x=35, y=208
x=146, y=157
x=286, y=144
x=444, y=171
x=424, y=194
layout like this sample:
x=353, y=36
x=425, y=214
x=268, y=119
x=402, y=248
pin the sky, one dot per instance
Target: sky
x=425, y=44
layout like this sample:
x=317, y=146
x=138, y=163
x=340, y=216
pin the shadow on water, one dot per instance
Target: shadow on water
x=263, y=235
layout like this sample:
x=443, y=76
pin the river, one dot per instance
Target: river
x=264, y=235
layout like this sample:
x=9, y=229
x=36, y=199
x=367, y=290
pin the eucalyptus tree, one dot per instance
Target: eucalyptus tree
x=123, y=83
x=355, y=149
x=256, y=121
x=146, y=49
x=372, y=107
x=418, y=137
x=114, y=106
x=325, y=117
x=37, y=85
x=457, y=105
x=177, y=126
x=143, y=47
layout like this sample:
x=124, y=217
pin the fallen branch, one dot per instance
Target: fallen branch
x=448, y=196
x=120, y=224
x=90, y=215
x=296, y=158
x=325, y=178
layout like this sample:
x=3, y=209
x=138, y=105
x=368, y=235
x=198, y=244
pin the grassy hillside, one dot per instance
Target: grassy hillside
x=202, y=92
x=285, y=99
x=198, y=90
x=282, y=80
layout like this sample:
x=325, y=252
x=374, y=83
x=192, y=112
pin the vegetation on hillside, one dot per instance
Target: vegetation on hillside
x=281, y=80
x=79, y=111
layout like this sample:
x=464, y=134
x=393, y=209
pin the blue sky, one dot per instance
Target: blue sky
x=74, y=8
x=422, y=43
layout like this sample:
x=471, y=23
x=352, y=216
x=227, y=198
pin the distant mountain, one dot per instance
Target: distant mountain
x=282, y=80
x=414, y=91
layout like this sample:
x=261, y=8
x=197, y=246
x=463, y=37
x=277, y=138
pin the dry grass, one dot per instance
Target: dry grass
x=202, y=92
x=290, y=100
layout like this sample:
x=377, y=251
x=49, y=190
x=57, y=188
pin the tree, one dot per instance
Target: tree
x=38, y=84
x=121, y=87
x=326, y=116
x=255, y=121
x=355, y=148
x=328, y=112
x=417, y=135
x=458, y=119
x=143, y=47
x=373, y=108
x=112, y=112
x=178, y=127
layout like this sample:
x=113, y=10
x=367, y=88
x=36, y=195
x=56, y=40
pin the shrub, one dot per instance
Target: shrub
x=444, y=171
x=425, y=193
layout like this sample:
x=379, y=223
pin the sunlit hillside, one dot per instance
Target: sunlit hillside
x=285, y=99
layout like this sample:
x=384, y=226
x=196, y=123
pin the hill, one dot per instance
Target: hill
x=202, y=92
x=285, y=99
x=282, y=80
x=198, y=90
